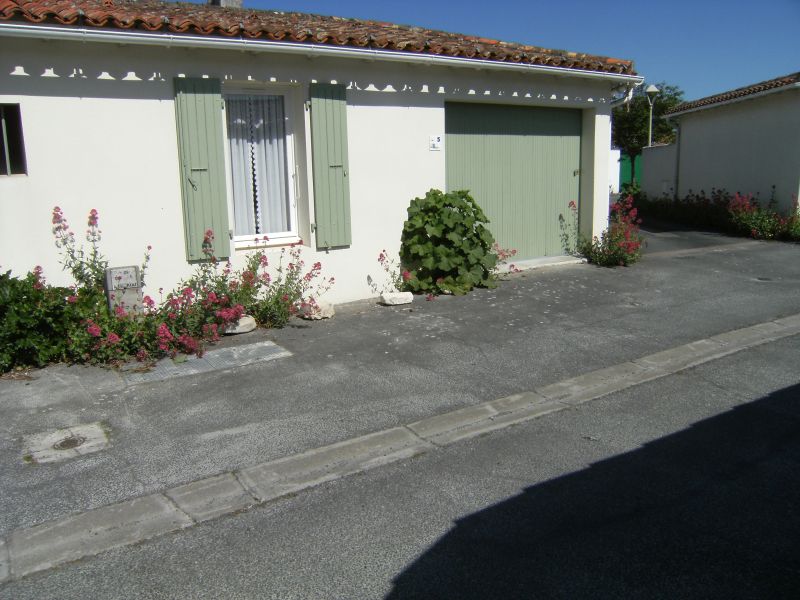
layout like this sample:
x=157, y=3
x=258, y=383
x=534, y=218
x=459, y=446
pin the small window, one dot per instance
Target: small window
x=261, y=166
x=12, y=148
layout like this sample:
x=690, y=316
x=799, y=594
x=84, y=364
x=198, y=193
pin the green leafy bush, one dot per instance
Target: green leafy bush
x=32, y=321
x=445, y=245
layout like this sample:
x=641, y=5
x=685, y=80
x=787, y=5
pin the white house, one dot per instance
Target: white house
x=745, y=140
x=170, y=119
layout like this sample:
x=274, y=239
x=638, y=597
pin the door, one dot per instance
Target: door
x=522, y=166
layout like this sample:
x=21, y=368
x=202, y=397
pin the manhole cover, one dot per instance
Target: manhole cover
x=61, y=444
x=70, y=442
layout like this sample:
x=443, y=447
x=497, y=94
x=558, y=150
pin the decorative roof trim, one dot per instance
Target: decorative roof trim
x=750, y=92
x=174, y=20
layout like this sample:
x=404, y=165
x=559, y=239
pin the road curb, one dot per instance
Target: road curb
x=89, y=533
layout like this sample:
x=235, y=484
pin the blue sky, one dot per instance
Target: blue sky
x=703, y=46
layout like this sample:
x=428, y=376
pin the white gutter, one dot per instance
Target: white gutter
x=89, y=34
x=783, y=88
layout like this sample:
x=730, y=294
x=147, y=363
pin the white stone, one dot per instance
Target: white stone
x=322, y=310
x=245, y=324
x=395, y=298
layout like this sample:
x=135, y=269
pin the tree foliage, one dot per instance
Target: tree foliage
x=630, y=121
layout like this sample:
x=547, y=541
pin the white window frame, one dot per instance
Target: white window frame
x=290, y=99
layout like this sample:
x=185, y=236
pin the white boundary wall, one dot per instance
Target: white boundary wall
x=658, y=170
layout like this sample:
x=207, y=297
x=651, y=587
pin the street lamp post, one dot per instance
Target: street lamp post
x=651, y=91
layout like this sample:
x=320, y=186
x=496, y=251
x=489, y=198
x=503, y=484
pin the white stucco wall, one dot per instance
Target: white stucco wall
x=746, y=146
x=99, y=128
x=658, y=170
x=613, y=170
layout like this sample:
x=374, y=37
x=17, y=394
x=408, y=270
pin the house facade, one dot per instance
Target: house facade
x=745, y=140
x=170, y=120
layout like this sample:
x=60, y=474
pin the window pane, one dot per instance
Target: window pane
x=259, y=167
x=272, y=185
x=240, y=144
x=12, y=147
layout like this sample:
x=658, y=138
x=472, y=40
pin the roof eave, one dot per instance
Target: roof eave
x=86, y=34
x=776, y=90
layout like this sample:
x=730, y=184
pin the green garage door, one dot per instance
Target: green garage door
x=521, y=164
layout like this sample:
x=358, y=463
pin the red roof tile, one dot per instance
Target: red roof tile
x=741, y=92
x=152, y=15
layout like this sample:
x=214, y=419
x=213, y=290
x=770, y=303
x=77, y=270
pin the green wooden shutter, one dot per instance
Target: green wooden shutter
x=198, y=106
x=329, y=152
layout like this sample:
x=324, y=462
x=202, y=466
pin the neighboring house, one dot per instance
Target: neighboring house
x=170, y=119
x=746, y=140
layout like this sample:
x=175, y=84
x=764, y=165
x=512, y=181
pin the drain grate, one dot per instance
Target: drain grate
x=61, y=444
x=69, y=443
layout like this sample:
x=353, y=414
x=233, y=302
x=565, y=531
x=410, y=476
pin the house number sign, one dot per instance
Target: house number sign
x=122, y=278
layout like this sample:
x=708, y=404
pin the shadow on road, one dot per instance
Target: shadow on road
x=712, y=511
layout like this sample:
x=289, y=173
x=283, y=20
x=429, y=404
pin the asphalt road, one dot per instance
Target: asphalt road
x=685, y=487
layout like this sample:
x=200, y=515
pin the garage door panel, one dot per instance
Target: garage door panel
x=520, y=164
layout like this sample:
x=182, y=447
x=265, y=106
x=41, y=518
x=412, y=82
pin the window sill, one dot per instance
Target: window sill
x=242, y=245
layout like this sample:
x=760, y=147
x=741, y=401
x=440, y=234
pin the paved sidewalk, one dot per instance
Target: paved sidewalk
x=376, y=369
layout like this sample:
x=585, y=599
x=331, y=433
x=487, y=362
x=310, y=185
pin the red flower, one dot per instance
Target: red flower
x=92, y=218
x=93, y=329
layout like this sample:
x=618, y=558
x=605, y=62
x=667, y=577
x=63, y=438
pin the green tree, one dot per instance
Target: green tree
x=629, y=122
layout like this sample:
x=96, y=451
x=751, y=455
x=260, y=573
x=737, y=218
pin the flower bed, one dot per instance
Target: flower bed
x=736, y=214
x=40, y=324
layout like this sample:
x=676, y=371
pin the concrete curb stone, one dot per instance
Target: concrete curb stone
x=49, y=544
x=212, y=497
x=274, y=479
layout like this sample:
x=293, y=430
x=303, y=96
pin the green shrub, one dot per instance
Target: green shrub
x=32, y=321
x=293, y=290
x=445, y=245
x=621, y=243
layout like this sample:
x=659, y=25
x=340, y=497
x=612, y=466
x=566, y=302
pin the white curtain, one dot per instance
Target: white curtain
x=257, y=139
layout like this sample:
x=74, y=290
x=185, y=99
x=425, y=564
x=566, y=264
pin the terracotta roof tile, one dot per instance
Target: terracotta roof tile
x=201, y=19
x=741, y=92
